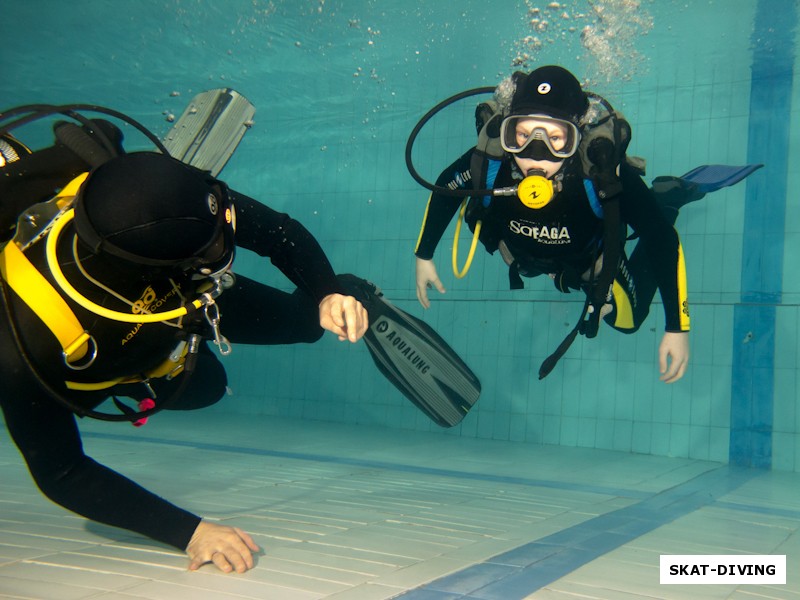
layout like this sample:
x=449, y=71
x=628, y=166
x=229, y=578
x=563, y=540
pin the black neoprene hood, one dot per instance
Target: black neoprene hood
x=153, y=210
x=549, y=90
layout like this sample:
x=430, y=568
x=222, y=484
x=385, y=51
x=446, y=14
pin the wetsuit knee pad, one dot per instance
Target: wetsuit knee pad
x=623, y=316
x=611, y=321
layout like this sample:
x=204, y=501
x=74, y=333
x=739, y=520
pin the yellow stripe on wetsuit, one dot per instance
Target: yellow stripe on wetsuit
x=424, y=222
x=683, y=294
x=623, y=318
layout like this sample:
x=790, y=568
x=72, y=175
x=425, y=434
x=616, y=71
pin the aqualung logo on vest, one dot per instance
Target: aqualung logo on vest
x=397, y=339
x=213, y=207
x=541, y=234
x=149, y=302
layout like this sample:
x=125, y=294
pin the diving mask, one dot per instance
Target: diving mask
x=539, y=137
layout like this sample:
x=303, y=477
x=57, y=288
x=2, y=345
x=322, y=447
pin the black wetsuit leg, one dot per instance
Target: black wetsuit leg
x=251, y=313
x=636, y=301
x=207, y=385
x=636, y=278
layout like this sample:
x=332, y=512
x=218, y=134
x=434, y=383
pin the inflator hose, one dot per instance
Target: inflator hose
x=415, y=132
x=188, y=368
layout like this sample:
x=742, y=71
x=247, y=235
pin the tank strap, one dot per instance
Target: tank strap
x=594, y=201
x=488, y=153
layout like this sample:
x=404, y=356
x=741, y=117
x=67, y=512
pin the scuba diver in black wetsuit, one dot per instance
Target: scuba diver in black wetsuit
x=560, y=152
x=113, y=282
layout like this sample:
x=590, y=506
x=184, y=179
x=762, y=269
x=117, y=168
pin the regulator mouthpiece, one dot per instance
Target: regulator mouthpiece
x=536, y=190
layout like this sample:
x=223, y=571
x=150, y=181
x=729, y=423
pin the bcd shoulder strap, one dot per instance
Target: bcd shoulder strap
x=488, y=152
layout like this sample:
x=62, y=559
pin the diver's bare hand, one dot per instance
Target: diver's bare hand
x=427, y=277
x=343, y=315
x=229, y=548
x=673, y=356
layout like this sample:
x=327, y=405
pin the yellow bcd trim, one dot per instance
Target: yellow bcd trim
x=31, y=286
x=168, y=367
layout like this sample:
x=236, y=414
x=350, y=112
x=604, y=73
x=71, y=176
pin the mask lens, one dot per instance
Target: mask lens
x=561, y=138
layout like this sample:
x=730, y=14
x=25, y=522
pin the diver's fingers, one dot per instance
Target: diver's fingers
x=356, y=319
x=422, y=296
x=426, y=277
x=344, y=316
x=229, y=548
x=673, y=356
x=330, y=314
x=676, y=370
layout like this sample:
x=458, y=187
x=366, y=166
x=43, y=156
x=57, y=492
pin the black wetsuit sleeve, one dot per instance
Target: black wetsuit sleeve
x=661, y=243
x=288, y=244
x=441, y=208
x=48, y=438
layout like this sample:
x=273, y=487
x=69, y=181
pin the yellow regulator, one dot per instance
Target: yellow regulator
x=535, y=191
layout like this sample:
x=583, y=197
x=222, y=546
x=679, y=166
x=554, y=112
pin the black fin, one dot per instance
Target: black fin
x=414, y=358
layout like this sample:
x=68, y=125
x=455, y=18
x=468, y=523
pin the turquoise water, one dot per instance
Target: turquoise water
x=338, y=85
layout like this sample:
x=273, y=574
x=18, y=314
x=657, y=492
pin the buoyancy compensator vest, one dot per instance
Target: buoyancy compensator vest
x=114, y=279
